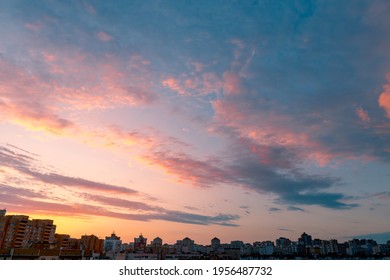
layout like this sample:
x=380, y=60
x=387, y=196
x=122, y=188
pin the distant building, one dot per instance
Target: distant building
x=264, y=248
x=236, y=244
x=112, y=243
x=215, y=243
x=329, y=247
x=305, y=240
x=185, y=246
x=361, y=247
x=156, y=243
x=284, y=246
x=91, y=243
x=140, y=243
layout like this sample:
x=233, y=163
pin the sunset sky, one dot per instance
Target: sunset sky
x=244, y=120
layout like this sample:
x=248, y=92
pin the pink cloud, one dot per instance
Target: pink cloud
x=187, y=169
x=71, y=198
x=103, y=36
x=174, y=85
x=34, y=26
x=232, y=83
x=363, y=115
x=195, y=84
x=269, y=128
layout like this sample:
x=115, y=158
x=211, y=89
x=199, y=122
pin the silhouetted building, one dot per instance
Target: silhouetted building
x=185, y=246
x=156, y=243
x=215, y=243
x=236, y=244
x=305, y=240
x=140, y=243
x=264, y=248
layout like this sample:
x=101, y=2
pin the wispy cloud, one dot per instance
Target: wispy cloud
x=38, y=200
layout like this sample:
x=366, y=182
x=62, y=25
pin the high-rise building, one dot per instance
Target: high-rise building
x=140, y=243
x=3, y=212
x=42, y=232
x=112, y=243
x=61, y=241
x=305, y=239
x=92, y=243
x=156, y=243
x=15, y=231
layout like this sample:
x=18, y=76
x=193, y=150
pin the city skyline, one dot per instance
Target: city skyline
x=43, y=231
x=236, y=119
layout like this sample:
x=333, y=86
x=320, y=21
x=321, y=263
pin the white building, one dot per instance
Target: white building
x=112, y=243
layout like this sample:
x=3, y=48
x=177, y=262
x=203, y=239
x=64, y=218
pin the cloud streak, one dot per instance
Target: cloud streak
x=40, y=201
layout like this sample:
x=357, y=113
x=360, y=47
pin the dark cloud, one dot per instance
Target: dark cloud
x=293, y=208
x=274, y=209
x=242, y=167
x=284, y=229
x=381, y=238
x=328, y=200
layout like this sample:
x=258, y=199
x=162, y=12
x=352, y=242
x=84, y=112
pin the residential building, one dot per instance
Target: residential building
x=91, y=243
x=112, y=243
x=140, y=243
x=15, y=231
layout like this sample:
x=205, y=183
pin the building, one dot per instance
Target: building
x=185, y=246
x=15, y=231
x=305, y=240
x=140, y=243
x=329, y=247
x=42, y=232
x=91, y=243
x=18, y=231
x=112, y=243
x=284, y=246
x=361, y=247
x=61, y=241
x=264, y=248
x=156, y=243
x=215, y=243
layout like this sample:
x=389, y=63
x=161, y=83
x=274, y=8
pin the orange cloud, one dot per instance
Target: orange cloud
x=384, y=98
x=195, y=84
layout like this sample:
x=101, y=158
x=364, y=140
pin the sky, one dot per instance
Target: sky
x=245, y=120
